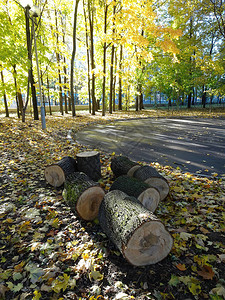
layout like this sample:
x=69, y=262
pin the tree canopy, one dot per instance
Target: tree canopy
x=129, y=48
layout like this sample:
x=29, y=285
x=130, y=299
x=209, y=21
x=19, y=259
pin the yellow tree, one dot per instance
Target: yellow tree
x=142, y=35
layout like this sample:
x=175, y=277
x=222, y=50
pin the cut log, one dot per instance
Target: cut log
x=56, y=174
x=83, y=195
x=89, y=163
x=148, y=196
x=122, y=165
x=139, y=235
x=152, y=177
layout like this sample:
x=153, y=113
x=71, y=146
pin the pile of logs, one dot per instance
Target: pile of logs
x=121, y=165
x=81, y=191
x=125, y=213
x=87, y=162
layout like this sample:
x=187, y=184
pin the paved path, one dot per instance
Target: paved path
x=193, y=144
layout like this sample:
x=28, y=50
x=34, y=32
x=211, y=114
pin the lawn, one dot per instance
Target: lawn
x=48, y=252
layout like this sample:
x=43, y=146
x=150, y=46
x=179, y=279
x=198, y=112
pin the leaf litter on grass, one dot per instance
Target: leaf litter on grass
x=47, y=252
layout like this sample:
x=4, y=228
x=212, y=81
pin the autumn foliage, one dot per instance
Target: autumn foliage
x=47, y=251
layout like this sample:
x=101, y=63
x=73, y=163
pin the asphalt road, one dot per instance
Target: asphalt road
x=195, y=145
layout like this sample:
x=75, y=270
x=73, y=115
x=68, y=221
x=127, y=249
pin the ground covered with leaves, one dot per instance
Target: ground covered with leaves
x=48, y=252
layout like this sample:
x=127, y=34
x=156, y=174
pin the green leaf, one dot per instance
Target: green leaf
x=185, y=236
x=5, y=275
x=216, y=297
x=192, y=284
x=17, y=276
x=35, y=273
x=56, y=223
x=174, y=280
x=17, y=287
x=96, y=275
x=60, y=283
x=185, y=279
x=10, y=285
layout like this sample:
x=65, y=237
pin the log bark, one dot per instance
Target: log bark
x=89, y=163
x=152, y=177
x=122, y=165
x=83, y=195
x=138, y=234
x=147, y=195
x=56, y=174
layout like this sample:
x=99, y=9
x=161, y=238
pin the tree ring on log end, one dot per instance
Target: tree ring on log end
x=130, y=173
x=149, y=244
x=161, y=185
x=89, y=202
x=150, y=199
x=55, y=175
x=87, y=154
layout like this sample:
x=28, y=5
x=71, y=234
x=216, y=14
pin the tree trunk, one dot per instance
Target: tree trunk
x=43, y=93
x=203, y=97
x=58, y=58
x=91, y=25
x=73, y=58
x=193, y=98
x=104, y=60
x=31, y=76
x=114, y=87
x=136, y=103
x=151, y=176
x=189, y=99
x=83, y=195
x=138, y=234
x=56, y=174
x=148, y=196
x=65, y=87
x=88, y=58
x=112, y=63
x=191, y=64
x=122, y=165
x=21, y=108
x=120, y=79
x=49, y=101
x=4, y=96
x=15, y=83
x=139, y=100
x=64, y=67
x=88, y=162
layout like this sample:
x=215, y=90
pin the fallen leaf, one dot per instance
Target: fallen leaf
x=222, y=257
x=181, y=267
x=37, y=295
x=174, y=280
x=206, y=272
x=218, y=290
x=204, y=230
x=96, y=275
x=195, y=289
x=185, y=236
